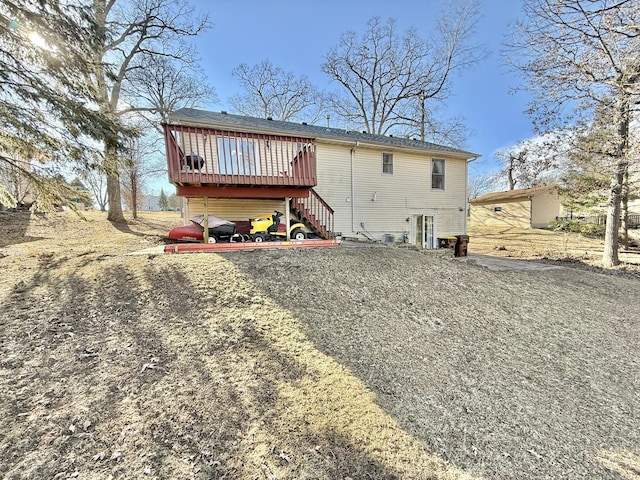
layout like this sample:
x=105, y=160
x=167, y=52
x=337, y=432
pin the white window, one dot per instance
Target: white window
x=387, y=163
x=437, y=174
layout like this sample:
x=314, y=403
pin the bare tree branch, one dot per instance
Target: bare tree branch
x=388, y=79
x=579, y=56
x=272, y=92
x=133, y=32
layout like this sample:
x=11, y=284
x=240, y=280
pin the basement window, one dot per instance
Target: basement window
x=387, y=163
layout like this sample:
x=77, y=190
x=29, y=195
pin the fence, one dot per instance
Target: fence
x=633, y=219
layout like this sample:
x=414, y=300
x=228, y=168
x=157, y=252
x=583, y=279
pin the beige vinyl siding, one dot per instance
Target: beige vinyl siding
x=384, y=201
x=519, y=212
x=545, y=207
x=515, y=214
x=232, y=209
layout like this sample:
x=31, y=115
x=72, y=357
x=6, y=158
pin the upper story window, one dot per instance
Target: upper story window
x=437, y=174
x=387, y=163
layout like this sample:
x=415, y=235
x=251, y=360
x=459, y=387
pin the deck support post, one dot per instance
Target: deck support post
x=205, y=220
x=287, y=215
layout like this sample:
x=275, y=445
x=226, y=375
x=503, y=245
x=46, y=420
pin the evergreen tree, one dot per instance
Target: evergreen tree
x=63, y=67
x=47, y=102
x=163, y=201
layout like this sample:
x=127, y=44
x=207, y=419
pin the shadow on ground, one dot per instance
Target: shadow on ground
x=523, y=373
x=14, y=226
x=138, y=367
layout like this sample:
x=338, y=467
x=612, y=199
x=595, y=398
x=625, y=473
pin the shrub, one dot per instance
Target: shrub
x=587, y=229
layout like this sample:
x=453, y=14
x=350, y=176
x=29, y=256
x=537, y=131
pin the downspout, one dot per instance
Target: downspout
x=353, y=188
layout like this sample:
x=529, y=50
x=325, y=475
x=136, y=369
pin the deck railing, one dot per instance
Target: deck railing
x=316, y=212
x=201, y=156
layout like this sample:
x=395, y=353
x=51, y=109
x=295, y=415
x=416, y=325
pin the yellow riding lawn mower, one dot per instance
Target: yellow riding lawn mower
x=268, y=227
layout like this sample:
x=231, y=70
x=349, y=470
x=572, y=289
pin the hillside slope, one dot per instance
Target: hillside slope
x=353, y=362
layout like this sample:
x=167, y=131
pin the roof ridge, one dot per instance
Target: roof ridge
x=247, y=122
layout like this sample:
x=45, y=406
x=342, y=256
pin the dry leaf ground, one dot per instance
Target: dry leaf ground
x=361, y=362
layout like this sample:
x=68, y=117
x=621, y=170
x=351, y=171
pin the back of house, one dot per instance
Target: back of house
x=341, y=183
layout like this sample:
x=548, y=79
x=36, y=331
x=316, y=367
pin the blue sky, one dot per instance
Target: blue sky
x=296, y=34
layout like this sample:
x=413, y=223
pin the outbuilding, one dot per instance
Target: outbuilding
x=524, y=208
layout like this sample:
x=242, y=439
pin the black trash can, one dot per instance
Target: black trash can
x=461, y=245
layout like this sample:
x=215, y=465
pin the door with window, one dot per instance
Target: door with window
x=425, y=228
x=238, y=156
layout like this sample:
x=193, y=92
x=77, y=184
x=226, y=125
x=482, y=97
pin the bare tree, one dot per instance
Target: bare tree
x=133, y=30
x=14, y=183
x=522, y=167
x=141, y=160
x=97, y=184
x=272, y=92
x=175, y=202
x=161, y=84
x=388, y=78
x=481, y=183
x=578, y=55
x=534, y=162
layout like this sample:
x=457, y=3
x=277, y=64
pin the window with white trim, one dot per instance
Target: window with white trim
x=437, y=174
x=387, y=163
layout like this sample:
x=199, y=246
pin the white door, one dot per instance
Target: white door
x=425, y=231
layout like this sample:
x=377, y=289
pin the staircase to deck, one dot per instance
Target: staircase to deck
x=315, y=213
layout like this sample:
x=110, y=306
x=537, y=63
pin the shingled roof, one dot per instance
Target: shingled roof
x=495, y=197
x=222, y=120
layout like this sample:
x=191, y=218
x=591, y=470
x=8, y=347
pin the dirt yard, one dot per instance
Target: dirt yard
x=353, y=362
x=548, y=245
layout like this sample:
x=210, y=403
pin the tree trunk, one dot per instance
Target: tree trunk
x=512, y=181
x=134, y=195
x=113, y=184
x=115, y=206
x=625, y=207
x=618, y=181
x=610, y=255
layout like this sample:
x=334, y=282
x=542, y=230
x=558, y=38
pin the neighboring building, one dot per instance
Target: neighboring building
x=527, y=208
x=341, y=182
x=149, y=203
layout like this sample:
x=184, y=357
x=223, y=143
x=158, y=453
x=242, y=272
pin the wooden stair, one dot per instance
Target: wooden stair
x=315, y=213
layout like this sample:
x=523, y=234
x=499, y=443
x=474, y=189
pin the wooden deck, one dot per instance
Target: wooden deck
x=200, y=156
